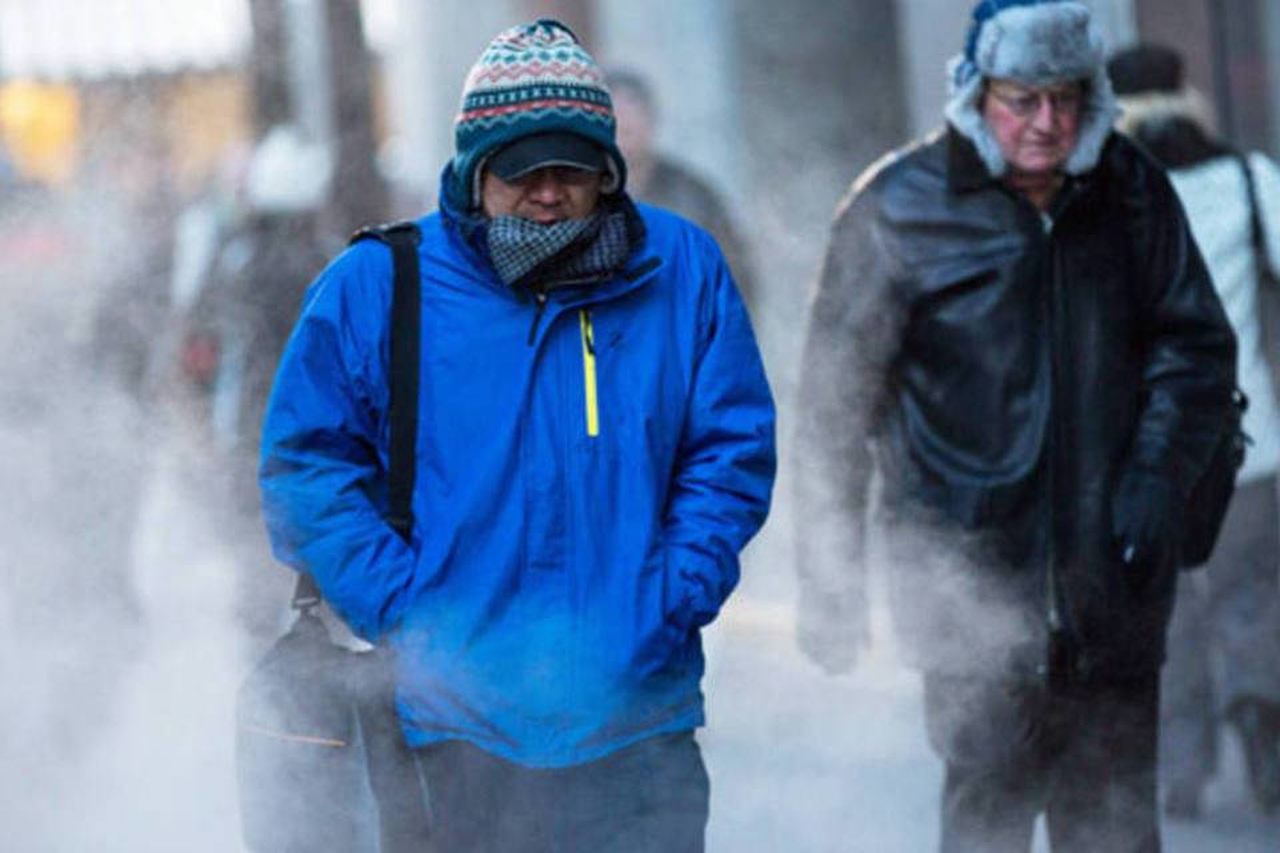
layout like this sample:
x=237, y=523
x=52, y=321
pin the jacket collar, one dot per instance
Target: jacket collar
x=469, y=229
x=637, y=274
x=965, y=170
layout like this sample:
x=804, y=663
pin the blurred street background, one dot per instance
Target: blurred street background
x=172, y=174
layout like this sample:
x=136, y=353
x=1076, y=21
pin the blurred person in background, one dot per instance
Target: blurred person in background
x=1224, y=656
x=73, y=441
x=661, y=180
x=239, y=320
x=186, y=357
x=595, y=448
x=139, y=198
x=127, y=236
x=1013, y=327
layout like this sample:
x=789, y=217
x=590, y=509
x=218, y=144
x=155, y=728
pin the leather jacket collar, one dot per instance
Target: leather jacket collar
x=965, y=170
x=967, y=173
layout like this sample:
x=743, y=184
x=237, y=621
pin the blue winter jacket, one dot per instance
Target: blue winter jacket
x=585, y=482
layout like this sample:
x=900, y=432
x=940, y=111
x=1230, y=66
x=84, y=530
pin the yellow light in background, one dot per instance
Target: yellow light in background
x=39, y=123
x=208, y=117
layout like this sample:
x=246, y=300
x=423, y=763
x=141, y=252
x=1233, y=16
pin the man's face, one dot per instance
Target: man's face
x=545, y=196
x=1037, y=127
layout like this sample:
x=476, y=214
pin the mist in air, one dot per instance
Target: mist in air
x=136, y=589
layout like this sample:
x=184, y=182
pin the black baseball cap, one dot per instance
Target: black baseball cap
x=541, y=150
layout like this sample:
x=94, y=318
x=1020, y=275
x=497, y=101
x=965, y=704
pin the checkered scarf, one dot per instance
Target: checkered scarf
x=573, y=250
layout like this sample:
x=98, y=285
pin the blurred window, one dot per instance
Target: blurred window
x=39, y=125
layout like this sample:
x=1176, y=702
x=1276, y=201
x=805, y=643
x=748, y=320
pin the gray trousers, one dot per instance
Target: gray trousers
x=1224, y=640
x=652, y=797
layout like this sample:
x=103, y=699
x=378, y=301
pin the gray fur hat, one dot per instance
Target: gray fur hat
x=1034, y=42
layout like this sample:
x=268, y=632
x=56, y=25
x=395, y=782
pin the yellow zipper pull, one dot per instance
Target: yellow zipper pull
x=589, y=372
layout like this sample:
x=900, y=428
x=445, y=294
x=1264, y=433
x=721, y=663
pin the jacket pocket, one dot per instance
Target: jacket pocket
x=663, y=640
x=913, y=476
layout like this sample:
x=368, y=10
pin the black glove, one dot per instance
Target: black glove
x=1146, y=514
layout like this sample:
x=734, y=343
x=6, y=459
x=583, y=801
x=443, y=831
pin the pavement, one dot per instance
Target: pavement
x=801, y=761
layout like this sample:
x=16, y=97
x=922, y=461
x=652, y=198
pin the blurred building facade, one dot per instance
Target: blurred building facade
x=80, y=80
x=779, y=105
x=699, y=53
x=71, y=73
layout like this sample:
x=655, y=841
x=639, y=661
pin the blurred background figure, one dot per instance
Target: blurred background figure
x=236, y=329
x=130, y=251
x=659, y=179
x=74, y=346
x=1224, y=644
x=136, y=184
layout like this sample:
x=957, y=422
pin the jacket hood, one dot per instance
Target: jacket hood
x=470, y=225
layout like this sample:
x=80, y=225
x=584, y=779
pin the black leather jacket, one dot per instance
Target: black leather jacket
x=1001, y=369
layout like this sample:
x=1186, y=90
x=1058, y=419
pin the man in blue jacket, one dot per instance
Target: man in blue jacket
x=595, y=447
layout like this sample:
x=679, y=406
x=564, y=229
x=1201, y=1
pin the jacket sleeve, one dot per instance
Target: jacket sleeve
x=725, y=464
x=1189, y=371
x=852, y=337
x=323, y=460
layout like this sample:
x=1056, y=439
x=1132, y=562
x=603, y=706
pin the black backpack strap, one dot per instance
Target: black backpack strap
x=406, y=315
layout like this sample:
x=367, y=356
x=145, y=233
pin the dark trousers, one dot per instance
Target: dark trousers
x=648, y=798
x=1085, y=757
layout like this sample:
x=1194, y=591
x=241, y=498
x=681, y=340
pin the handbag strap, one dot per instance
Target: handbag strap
x=1257, y=235
x=406, y=315
x=1268, y=295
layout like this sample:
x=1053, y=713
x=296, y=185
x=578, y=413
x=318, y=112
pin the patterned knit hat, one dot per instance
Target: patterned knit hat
x=1035, y=42
x=532, y=79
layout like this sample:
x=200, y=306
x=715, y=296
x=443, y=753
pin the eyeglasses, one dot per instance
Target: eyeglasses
x=1025, y=103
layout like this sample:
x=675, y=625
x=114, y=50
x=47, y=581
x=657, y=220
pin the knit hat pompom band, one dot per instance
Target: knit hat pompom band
x=532, y=79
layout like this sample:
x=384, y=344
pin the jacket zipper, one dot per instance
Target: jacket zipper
x=541, y=292
x=589, y=372
x=1054, y=602
x=539, y=296
x=1060, y=654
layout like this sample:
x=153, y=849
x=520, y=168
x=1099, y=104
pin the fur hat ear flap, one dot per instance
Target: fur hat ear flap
x=1035, y=43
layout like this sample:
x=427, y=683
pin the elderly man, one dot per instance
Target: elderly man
x=595, y=446
x=1014, y=327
